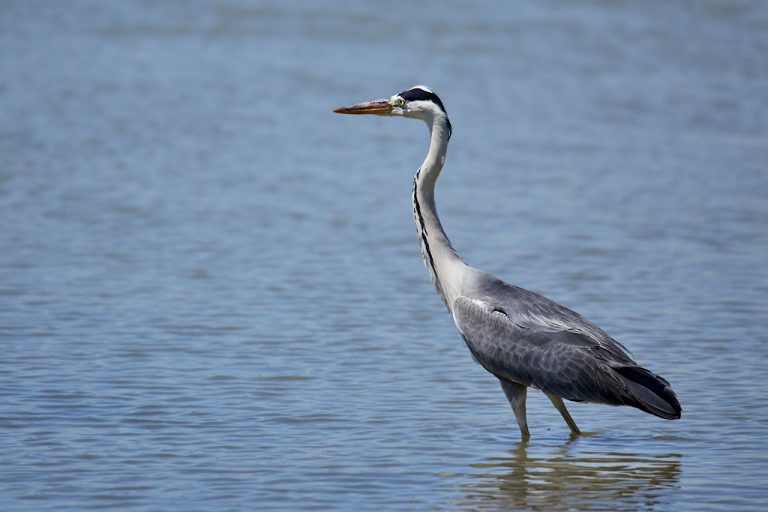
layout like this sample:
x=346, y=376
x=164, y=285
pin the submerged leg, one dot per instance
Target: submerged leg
x=516, y=394
x=560, y=406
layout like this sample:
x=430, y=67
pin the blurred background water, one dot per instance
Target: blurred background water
x=211, y=295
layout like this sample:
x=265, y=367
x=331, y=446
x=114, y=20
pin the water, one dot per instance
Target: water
x=210, y=289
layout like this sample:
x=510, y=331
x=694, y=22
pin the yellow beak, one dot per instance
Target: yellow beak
x=377, y=107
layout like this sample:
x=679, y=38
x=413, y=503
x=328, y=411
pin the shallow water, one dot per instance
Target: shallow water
x=210, y=289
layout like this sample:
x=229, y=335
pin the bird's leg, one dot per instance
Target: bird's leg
x=516, y=394
x=560, y=406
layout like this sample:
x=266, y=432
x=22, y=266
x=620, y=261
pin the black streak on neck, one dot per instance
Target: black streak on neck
x=420, y=217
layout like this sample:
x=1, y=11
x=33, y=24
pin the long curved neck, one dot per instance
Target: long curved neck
x=443, y=263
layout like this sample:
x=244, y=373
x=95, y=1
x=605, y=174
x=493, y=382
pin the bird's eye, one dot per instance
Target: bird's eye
x=400, y=102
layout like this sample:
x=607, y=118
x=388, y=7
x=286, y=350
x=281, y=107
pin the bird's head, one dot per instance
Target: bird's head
x=418, y=102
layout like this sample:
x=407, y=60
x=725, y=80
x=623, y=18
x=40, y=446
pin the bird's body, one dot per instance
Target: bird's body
x=522, y=338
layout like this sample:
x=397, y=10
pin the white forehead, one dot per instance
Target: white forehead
x=423, y=88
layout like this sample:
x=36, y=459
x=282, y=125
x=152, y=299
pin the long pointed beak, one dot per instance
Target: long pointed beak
x=377, y=107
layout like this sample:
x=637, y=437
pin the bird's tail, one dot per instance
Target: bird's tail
x=649, y=392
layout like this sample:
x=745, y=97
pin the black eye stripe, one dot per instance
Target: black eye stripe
x=417, y=94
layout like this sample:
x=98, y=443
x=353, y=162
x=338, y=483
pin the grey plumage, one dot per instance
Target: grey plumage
x=522, y=338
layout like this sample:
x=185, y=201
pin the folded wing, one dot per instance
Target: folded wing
x=546, y=346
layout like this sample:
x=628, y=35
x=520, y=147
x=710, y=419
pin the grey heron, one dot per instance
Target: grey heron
x=522, y=338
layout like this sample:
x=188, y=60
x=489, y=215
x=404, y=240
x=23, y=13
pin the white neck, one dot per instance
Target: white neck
x=444, y=265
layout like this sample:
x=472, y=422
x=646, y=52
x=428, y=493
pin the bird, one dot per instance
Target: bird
x=522, y=338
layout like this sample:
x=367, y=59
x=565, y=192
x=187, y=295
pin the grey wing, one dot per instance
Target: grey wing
x=526, y=338
x=534, y=311
x=568, y=364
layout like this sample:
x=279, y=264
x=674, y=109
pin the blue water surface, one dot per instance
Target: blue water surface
x=211, y=294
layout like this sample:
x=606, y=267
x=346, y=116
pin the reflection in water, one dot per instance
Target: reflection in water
x=559, y=479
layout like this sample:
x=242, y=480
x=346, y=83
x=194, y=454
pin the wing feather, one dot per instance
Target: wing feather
x=529, y=309
x=521, y=336
x=557, y=361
